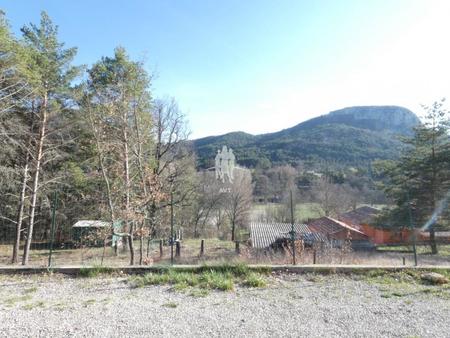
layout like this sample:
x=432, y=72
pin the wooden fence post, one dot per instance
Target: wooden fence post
x=202, y=248
x=178, y=249
x=160, y=248
x=314, y=256
x=237, y=249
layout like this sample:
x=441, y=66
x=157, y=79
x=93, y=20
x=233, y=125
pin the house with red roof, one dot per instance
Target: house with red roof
x=338, y=232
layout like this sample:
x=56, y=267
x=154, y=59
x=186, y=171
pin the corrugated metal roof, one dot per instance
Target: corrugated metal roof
x=264, y=234
x=91, y=224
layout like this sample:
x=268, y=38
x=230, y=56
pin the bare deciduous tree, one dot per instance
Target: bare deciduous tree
x=173, y=163
x=207, y=199
x=333, y=198
x=238, y=200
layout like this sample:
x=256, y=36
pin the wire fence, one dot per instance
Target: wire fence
x=70, y=250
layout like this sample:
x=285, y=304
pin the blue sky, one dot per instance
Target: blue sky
x=261, y=66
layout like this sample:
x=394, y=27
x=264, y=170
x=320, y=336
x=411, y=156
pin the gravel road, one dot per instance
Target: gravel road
x=292, y=306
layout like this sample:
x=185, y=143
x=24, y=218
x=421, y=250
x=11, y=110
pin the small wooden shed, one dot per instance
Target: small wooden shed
x=82, y=229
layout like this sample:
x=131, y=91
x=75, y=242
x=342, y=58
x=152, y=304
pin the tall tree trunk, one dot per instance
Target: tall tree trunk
x=151, y=213
x=101, y=162
x=141, y=244
x=35, y=187
x=196, y=235
x=20, y=212
x=144, y=184
x=130, y=242
x=128, y=225
x=233, y=228
x=434, y=249
x=105, y=241
x=15, y=256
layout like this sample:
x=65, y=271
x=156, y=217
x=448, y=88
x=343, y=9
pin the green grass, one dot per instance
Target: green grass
x=255, y=280
x=95, y=271
x=180, y=286
x=216, y=280
x=183, y=280
x=199, y=293
x=16, y=299
x=30, y=290
x=406, y=283
x=444, y=272
x=303, y=211
x=407, y=290
x=218, y=277
x=59, y=306
x=35, y=305
x=379, y=276
x=89, y=302
x=170, y=305
x=234, y=269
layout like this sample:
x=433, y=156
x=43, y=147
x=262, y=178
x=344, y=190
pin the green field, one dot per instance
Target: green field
x=302, y=211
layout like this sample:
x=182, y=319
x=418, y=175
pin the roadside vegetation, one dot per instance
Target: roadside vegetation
x=94, y=271
x=407, y=283
x=219, y=277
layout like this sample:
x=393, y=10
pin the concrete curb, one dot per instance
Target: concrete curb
x=322, y=269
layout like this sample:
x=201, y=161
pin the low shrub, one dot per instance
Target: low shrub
x=94, y=271
x=255, y=280
x=218, y=277
x=216, y=280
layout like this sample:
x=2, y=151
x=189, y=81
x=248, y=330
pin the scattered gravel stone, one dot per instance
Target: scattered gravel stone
x=295, y=306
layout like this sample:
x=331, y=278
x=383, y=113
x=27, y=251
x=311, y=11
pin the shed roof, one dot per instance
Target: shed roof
x=328, y=226
x=264, y=234
x=91, y=224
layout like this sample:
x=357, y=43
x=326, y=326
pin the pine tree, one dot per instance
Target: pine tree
x=14, y=126
x=51, y=76
x=116, y=103
x=421, y=178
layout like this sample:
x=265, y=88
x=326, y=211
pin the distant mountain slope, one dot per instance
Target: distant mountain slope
x=354, y=135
